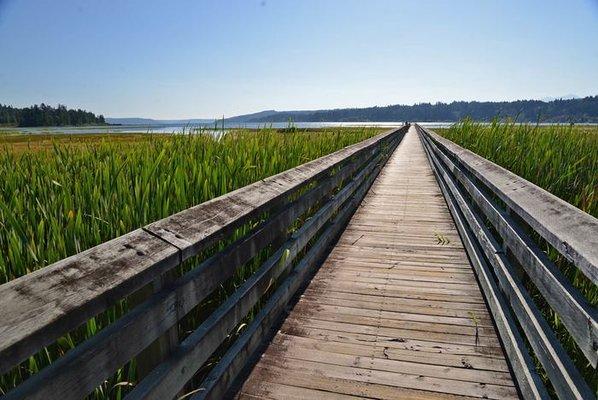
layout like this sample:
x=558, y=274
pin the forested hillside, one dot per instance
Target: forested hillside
x=44, y=115
x=572, y=110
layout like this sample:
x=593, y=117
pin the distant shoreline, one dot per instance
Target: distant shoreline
x=186, y=128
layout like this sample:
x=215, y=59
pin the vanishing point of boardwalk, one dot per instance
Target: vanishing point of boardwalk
x=395, y=311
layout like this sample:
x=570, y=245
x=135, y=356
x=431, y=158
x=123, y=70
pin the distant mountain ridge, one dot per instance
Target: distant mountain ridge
x=563, y=110
x=560, y=110
x=257, y=115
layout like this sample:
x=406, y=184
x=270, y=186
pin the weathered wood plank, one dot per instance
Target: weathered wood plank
x=45, y=304
x=400, y=280
x=380, y=320
x=397, y=333
x=149, y=357
x=377, y=340
x=324, y=355
x=529, y=381
x=264, y=376
x=313, y=305
x=403, y=291
x=422, y=306
x=77, y=373
x=41, y=306
x=218, y=382
x=353, y=273
x=404, y=288
x=400, y=380
x=290, y=392
x=476, y=361
x=429, y=265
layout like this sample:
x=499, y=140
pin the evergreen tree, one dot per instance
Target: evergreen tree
x=45, y=115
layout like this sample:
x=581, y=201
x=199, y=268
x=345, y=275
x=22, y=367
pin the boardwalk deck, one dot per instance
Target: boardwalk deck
x=394, y=312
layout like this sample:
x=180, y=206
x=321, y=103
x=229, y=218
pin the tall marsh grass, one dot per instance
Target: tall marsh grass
x=562, y=159
x=72, y=195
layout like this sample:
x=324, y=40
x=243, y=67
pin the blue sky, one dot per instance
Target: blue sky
x=184, y=59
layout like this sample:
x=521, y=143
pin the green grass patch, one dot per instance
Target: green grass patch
x=82, y=190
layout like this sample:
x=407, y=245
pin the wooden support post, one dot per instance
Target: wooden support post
x=161, y=348
x=517, y=267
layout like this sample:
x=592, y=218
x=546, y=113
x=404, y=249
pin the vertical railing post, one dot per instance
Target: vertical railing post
x=161, y=348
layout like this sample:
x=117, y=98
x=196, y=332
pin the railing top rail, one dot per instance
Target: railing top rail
x=45, y=304
x=571, y=231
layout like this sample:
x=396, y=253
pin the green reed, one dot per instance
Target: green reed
x=562, y=159
x=59, y=202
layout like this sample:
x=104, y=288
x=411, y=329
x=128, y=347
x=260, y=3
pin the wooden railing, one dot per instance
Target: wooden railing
x=39, y=308
x=498, y=214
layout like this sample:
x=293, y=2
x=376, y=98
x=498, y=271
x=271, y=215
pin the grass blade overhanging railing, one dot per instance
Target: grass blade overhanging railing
x=469, y=180
x=40, y=307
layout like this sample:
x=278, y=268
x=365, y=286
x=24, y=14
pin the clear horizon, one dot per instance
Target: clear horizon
x=207, y=59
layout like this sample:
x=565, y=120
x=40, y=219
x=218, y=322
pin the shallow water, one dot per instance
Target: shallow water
x=181, y=128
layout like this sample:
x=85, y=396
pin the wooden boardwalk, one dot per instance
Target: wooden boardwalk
x=395, y=311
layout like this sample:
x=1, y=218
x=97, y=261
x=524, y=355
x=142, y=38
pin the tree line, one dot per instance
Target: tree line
x=561, y=111
x=45, y=115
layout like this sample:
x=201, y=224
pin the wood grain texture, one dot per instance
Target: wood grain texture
x=221, y=378
x=529, y=382
x=45, y=304
x=395, y=311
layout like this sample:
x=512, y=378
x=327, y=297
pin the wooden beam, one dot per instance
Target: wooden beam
x=580, y=318
x=78, y=372
x=222, y=377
